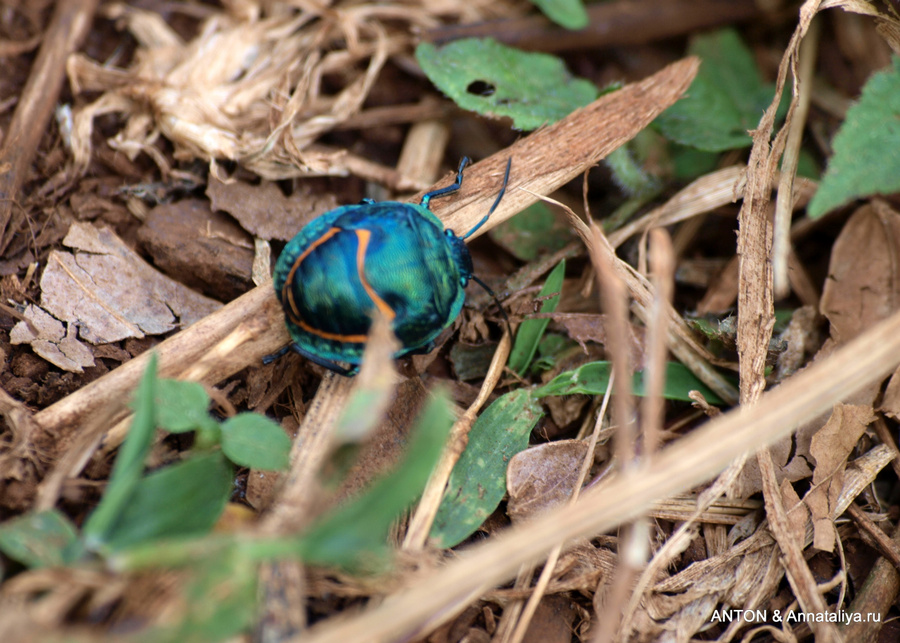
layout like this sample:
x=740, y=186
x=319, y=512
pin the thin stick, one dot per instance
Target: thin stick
x=662, y=263
x=803, y=84
x=632, y=543
x=421, y=522
x=70, y=23
x=609, y=25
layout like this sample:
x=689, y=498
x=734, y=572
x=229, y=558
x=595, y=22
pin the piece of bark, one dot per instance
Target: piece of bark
x=202, y=249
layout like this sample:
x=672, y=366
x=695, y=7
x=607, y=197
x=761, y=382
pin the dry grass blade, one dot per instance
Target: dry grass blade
x=691, y=461
x=756, y=314
x=707, y=193
x=632, y=537
x=784, y=202
x=420, y=524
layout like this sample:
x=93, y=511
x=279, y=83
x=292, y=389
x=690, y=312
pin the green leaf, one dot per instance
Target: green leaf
x=221, y=598
x=495, y=80
x=356, y=533
x=534, y=232
x=129, y=465
x=184, y=499
x=593, y=379
x=689, y=163
x=566, y=13
x=725, y=100
x=45, y=539
x=551, y=347
x=629, y=175
x=866, y=157
x=181, y=406
x=253, y=440
x=530, y=331
x=478, y=481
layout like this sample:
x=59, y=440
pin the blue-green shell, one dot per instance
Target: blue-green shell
x=390, y=255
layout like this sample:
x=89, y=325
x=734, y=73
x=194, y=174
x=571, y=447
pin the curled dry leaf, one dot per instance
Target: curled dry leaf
x=543, y=476
x=890, y=403
x=830, y=447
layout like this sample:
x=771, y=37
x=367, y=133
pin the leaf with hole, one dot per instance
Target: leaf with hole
x=484, y=76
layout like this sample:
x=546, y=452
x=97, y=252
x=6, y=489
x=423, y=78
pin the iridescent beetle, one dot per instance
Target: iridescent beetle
x=396, y=257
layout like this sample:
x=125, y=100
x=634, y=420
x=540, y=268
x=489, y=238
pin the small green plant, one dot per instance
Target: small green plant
x=530, y=331
x=180, y=500
x=163, y=519
x=725, y=100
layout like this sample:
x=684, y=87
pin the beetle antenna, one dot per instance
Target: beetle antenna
x=496, y=301
x=496, y=203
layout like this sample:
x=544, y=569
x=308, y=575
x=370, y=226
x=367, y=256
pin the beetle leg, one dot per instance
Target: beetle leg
x=428, y=196
x=325, y=363
x=496, y=202
x=281, y=352
x=321, y=361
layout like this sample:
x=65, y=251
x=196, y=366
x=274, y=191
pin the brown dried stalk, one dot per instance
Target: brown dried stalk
x=71, y=21
x=686, y=464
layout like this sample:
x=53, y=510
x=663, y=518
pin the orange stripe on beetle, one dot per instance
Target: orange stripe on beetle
x=287, y=288
x=363, y=237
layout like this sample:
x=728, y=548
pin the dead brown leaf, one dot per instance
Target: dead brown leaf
x=543, y=477
x=111, y=293
x=264, y=211
x=830, y=447
x=863, y=284
x=51, y=340
x=552, y=622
